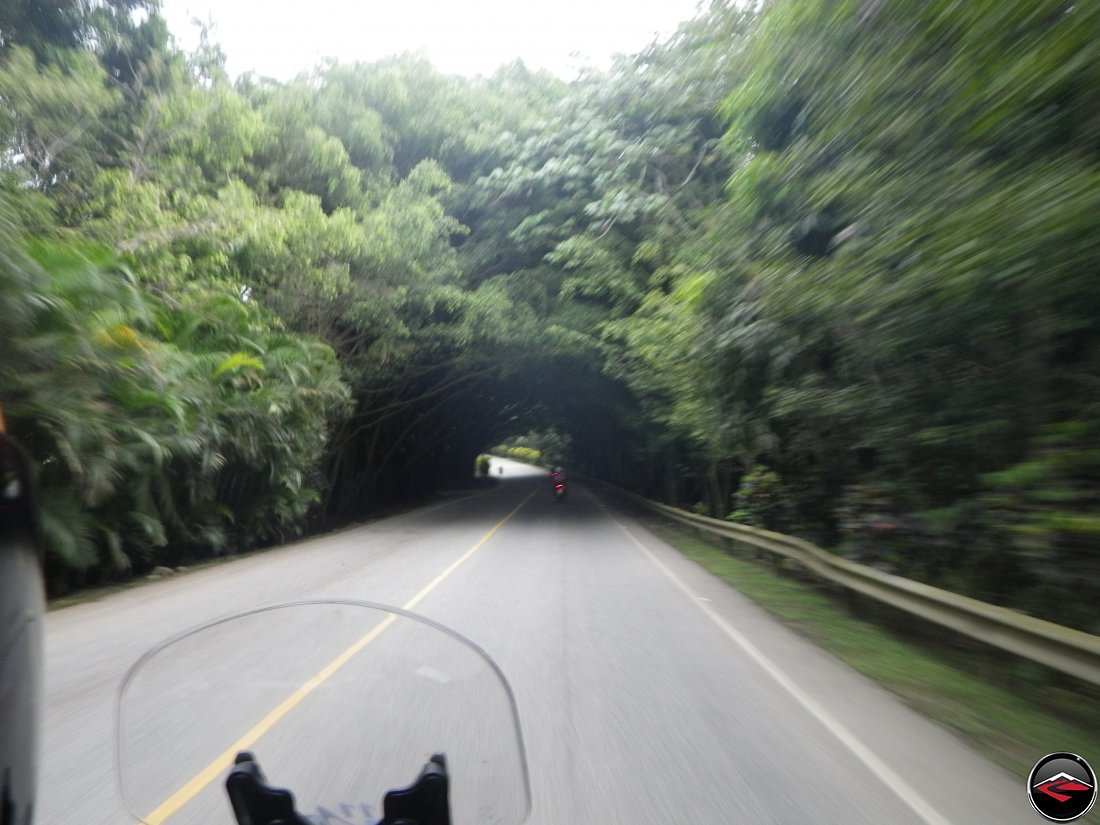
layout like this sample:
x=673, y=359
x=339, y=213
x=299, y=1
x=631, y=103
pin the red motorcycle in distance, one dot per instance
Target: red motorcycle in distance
x=557, y=478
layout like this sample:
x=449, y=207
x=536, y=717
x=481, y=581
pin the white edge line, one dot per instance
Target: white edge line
x=904, y=791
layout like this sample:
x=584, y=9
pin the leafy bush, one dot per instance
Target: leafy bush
x=761, y=501
x=1042, y=519
x=161, y=428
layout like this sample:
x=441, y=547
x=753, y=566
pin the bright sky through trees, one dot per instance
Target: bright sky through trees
x=279, y=38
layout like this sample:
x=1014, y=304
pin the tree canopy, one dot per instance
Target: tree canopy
x=826, y=267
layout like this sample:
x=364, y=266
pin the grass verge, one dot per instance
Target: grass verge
x=1013, y=724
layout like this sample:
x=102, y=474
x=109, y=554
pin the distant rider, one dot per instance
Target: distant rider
x=557, y=480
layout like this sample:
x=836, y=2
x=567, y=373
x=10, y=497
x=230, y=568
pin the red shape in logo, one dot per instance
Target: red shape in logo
x=1062, y=787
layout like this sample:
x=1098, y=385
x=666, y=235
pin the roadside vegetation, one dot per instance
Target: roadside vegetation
x=828, y=267
x=1012, y=711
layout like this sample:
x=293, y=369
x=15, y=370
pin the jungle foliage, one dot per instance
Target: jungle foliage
x=822, y=266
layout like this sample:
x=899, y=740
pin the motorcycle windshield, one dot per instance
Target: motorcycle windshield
x=339, y=701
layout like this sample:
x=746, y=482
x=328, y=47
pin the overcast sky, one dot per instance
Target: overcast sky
x=279, y=38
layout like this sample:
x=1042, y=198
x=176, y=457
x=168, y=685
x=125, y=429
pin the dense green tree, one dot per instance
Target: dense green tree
x=49, y=120
x=64, y=24
x=162, y=427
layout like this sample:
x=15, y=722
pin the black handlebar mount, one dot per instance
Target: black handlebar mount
x=255, y=802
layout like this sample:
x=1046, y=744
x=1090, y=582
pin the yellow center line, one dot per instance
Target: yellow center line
x=224, y=761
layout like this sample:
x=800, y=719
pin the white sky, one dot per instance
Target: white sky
x=279, y=38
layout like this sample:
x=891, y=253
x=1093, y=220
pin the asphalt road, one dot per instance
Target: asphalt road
x=647, y=690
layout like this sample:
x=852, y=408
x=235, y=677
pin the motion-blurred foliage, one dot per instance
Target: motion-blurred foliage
x=164, y=427
x=850, y=244
x=918, y=194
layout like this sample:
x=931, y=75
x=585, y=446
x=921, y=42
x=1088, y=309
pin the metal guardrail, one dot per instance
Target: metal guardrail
x=1062, y=648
